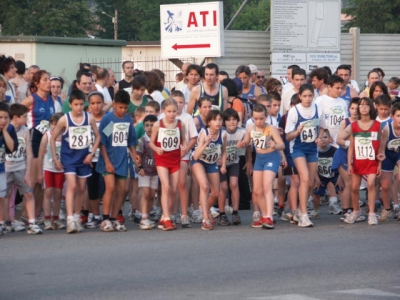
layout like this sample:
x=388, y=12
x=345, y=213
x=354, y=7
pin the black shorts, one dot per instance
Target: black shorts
x=231, y=171
x=35, y=141
x=95, y=184
x=290, y=171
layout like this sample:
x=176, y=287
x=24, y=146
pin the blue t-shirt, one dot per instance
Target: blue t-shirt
x=3, y=147
x=117, y=134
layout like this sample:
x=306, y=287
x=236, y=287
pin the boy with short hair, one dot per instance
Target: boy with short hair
x=148, y=178
x=139, y=115
x=117, y=133
x=327, y=177
x=8, y=144
x=75, y=157
x=275, y=107
x=18, y=167
x=383, y=104
x=151, y=108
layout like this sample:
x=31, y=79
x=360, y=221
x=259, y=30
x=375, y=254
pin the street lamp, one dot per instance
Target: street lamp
x=115, y=21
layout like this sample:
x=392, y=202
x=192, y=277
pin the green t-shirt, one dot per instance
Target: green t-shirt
x=139, y=129
x=132, y=107
x=66, y=108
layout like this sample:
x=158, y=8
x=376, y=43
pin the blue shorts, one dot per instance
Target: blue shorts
x=339, y=159
x=267, y=162
x=310, y=156
x=209, y=168
x=324, y=183
x=81, y=171
x=390, y=161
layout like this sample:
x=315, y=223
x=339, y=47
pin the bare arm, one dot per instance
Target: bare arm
x=344, y=134
x=154, y=133
x=42, y=151
x=194, y=96
x=223, y=154
x=277, y=140
x=61, y=124
x=28, y=102
x=29, y=159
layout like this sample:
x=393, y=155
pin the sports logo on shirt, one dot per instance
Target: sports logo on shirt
x=121, y=127
x=364, y=141
x=79, y=130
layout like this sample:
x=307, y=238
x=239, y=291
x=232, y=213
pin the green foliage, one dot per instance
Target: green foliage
x=254, y=16
x=70, y=18
x=374, y=16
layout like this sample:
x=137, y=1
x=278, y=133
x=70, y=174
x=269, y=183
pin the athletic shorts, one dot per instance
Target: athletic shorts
x=290, y=170
x=209, y=168
x=53, y=180
x=310, y=156
x=148, y=181
x=324, y=183
x=116, y=176
x=390, y=162
x=95, y=184
x=231, y=171
x=35, y=141
x=17, y=178
x=81, y=171
x=267, y=162
x=3, y=185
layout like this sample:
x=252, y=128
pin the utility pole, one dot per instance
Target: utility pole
x=116, y=25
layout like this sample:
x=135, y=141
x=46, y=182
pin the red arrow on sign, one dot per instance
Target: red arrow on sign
x=176, y=46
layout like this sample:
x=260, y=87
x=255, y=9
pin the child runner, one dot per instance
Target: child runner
x=75, y=157
x=364, y=157
x=117, y=133
x=211, y=147
x=302, y=129
x=18, y=163
x=327, y=176
x=148, y=178
x=95, y=182
x=8, y=144
x=267, y=143
x=340, y=159
x=234, y=133
x=52, y=179
x=169, y=144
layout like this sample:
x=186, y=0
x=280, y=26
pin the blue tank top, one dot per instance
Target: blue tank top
x=41, y=110
x=305, y=141
x=250, y=92
x=392, y=148
x=347, y=96
x=213, y=151
x=75, y=141
x=201, y=123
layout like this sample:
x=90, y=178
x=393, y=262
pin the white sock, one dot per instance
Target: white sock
x=76, y=217
x=332, y=200
x=31, y=221
x=70, y=218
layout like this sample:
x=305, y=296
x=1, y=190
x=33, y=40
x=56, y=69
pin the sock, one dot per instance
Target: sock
x=70, y=218
x=112, y=219
x=31, y=221
x=235, y=212
x=120, y=212
x=144, y=216
x=47, y=217
x=106, y=217
x=388, y=209
x=85, y=212
x=55, y=218
x=332, y=200
x=76, y=217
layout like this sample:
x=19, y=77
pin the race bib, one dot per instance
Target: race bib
x=120, y=134
x=169, y=139
x=363, y=148
x=259, y=140
x=79, y=137
x=325, y=167
x=231, y=155
x=19, y=154
x=335, y=117
x=58, y=152
x=309, y=132
x=43, y=126
x=211, y=154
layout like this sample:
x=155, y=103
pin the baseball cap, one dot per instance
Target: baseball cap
x=253, y=69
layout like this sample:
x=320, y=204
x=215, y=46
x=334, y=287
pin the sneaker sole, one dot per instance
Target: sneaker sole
x=186, y=225
x=267, y=226
x=204, y=228
x=33, y=233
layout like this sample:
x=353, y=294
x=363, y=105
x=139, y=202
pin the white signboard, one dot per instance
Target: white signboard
x=192, y=29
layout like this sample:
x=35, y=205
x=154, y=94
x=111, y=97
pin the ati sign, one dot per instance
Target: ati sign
x=194, y=29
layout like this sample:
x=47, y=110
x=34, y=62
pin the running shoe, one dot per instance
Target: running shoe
x=236, y=219
x=62, y=215
x=94, y=223
x=177, y=218
x=372, y=219
x=335, y=209
x=396, y=211
x=354, y=216
x=267, y=223
x=146, y=224
x=304, y=221
x=8, y=226
x=155, y=214
x=57, y=224
x=295, y=217
x=130, y=214
x=185, y=221
x=286, y=216
x=106, y=226
x=310, y=203
x=206, y=225
x=79, y=226
x=214, y=212
x=71, y=226
x=345, y=215
x=18, y=226
x=83, y=219
x=118, y=226
x=197, y=216
x=137, y=216
x=223, y=220
x=228, y=210
x=34, y=229
x=313, y=214
x=256, y=220
x=212, y=220
x=121, y=218
x=48, y=225
x=280, y=211
x=40, y=219
x=166, y=225
x=385, y=215
x=24, y=220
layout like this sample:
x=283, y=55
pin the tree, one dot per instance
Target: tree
x=254, y=16
x=46, y=18
x=374, y=16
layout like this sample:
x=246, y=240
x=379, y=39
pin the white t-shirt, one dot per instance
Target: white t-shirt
x=334, y=111
x=186, y=92
x=157, y=96
x=288, y=85
x=190, y=129
x=286, y=99
x=105, y=92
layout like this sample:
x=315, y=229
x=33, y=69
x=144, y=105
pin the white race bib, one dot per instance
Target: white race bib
x=363, y=148
x=20, y=153
x=325, y=167
x=120, y=134
x=259, y=140
x=169, y=139
x=336, y=116
x=43, y=126
x=211, y=154
x=79, y=137
x=231, y=155
x=393, y=145
x=309, y=132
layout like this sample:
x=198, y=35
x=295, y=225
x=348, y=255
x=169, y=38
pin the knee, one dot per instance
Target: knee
x=233, y=186
x=204, y=187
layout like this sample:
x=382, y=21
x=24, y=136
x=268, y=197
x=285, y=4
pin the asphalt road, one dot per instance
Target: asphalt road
x=330, y=261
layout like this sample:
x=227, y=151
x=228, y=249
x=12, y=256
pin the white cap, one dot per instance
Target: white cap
x=253, y=69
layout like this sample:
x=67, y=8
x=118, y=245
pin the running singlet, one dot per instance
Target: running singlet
x=216, y=100
x=232, y=151
x=124, y=85
x=40, y=113
x=261, y=140
x=305, y=141
x=169, y=139
x=250, y=93
x=213, y=151
x=325, y=159
x=393, y=143
x=347, y=96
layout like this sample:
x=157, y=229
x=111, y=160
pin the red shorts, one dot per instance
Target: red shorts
x=53, y=180
x=169, y=160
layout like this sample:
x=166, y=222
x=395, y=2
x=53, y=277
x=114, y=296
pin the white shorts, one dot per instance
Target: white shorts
x=148, y=181
x=3, y=185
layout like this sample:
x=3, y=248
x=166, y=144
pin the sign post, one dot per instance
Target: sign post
x=192, y=29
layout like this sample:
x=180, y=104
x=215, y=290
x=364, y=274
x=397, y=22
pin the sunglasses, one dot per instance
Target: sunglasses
x=260, y=77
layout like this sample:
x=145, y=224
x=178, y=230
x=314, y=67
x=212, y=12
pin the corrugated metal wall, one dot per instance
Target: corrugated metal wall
x=253, y=47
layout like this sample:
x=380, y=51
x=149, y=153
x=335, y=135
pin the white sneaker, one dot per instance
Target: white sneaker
x=34, y=229
x=61, y=215
x=372, y=220
x=146, y=224
x=18, y=226
x=385, y=215
x=118, y=226
x=185, y=221
x=396, y=211
x=48, y=225
x=228, y=210
x=106, y=226
x=310, y=203
x=256, y=216
x=304, y=221
x=334, y=208
x=296, y=217
x=313, y=214
x=354, y=217
x=71, y=226
x=214, y=212
x=197, y=216
x=78, y=226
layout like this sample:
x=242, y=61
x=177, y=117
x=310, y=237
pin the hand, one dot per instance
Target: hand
x=183, y=152
x=271, y=144
x=241, y=144
x=141, y=172
x=381, y=156
x=110, y=168
x=209, y=138
x=350, y=169
x=159, y=151
x=58, y=165
x=284, y=163
x=39, y=179
x=28, y=182
x=88, y=159
x=378, y=171
x=249, y=168
x=317, y=184
x=299, y=129
x=340, y=184
x=223, y=169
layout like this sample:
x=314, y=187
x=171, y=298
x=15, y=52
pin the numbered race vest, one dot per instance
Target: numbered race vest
x=232, y=151
x=40, y=113
x=305, y=141
x=393, y=144
x=48, y=161
x=216, y=100
x=169, y=139
x=214, y=150
x=18, y=155
x=261, y=140
x=325, y=159
x=75, y=141
x=366, y=143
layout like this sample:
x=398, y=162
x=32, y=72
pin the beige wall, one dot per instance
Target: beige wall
x=20, y=51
